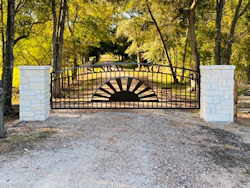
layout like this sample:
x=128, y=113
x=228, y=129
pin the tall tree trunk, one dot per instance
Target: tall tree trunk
x=54, y=37
x=71, y=26
x=193, y=42
x=3, y=37
x=139, y=57
x=219, y=12
x=57, y=40
x=230, y=42
x=184, y=56
x=9, y=63
x=74, y=76
x=192, y=35
x=61, y=26
x=86, y=58
x=163, y=42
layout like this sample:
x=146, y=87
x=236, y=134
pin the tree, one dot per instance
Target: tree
x=57, y=41
x=219, y=13
x=9, y=62
x=130, y=28
x=189, y=13
x=163, y=42
x=2, y=34
x=230, y=41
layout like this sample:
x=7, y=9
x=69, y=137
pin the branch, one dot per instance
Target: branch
x=20, y=6
x=24, y=36
x=242, y=33
x=193, y=7
x=244, y=10
x=33, y=57
x=194, y=4
x=21, y=37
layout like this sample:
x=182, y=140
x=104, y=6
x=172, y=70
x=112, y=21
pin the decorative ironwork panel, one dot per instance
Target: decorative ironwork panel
x=125, y=85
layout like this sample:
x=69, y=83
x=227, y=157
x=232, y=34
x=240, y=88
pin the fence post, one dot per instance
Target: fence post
x=1, y=111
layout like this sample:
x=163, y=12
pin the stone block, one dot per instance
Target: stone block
x=37, y=86
x=25, y=103
x=27, y=118
x=34, y=79
x=218, y=118
x=27, y=113
x=222, y=82
x=216, y=100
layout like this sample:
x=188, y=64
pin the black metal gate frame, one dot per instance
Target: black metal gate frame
x=126, y=86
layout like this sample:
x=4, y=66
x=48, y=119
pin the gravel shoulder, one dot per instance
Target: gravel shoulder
x=125, y=148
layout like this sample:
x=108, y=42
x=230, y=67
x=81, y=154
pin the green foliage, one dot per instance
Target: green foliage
x=125, y=26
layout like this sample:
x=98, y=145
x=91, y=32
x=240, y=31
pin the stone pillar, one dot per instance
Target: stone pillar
x=34, y=93
x=217, y=93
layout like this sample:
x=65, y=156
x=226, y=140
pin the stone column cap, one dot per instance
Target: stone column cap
x=217, y=67
x=25, y=67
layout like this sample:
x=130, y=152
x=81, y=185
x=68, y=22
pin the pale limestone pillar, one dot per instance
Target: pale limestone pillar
x=34, y=93
x=217, y=93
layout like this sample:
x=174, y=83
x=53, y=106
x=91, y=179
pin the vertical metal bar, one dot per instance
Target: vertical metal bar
x=1, y=113
x=166, y=90
x=181, y=94
x=101, y=84
x=83, y=85
x=195, y=89
x=51, y=92
x=87, y=91
x=143, y=81
x=147, y=78
x=171, y=92
x=62, y=90
x=157, y=85
x=199, y=83
x=152, y=85
x=106, y=78
x=96, y=86
x=161, y=89
x=185, y=79
x=59, y=80
x=68, y=78
x=190, y=92
x=92, y=88
x=176, y=95
x=78, y=74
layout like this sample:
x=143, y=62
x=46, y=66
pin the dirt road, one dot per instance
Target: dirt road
x=125, y=148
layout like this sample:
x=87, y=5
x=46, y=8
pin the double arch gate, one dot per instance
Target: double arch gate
x=125, y=86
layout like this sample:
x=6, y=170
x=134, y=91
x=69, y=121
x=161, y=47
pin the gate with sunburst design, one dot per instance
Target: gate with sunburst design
x=125, y=85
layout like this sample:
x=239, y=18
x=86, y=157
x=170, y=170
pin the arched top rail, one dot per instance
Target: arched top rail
x=111, y=67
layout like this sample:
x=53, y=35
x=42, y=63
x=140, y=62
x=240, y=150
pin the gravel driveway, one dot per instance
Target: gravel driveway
x=124, y=148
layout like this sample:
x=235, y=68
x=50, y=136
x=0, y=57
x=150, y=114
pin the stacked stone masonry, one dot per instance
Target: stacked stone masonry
x=217, y=93
x=34, y=93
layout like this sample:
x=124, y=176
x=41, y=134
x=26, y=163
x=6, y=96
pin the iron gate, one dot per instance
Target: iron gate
x=125, y=85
